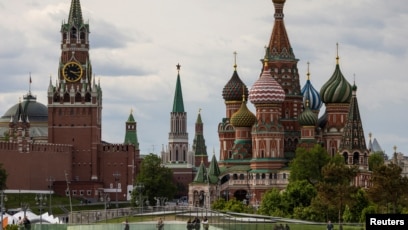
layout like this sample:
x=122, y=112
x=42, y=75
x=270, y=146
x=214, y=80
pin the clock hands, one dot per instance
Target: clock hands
x=77, y=73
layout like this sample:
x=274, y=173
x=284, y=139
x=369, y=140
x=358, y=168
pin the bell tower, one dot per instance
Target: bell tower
x=75, y=101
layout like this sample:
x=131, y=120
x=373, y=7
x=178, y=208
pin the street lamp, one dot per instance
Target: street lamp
x=106, y=199
x=3, y=199
x=41, y=201
x=140, y=187
x=248, y=198
x=50, y=186
x=116, y=175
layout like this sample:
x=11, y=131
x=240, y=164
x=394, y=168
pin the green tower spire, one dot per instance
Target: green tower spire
x=178, y=104
x=75, y=13
x=131, y=132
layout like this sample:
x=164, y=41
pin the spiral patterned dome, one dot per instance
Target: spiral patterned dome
x=233, y=89
x=337, y=89
x=311, y=95
x=243, y=117
x=266, y=89
x=308, y=117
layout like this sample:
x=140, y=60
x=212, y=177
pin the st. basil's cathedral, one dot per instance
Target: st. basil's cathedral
x=256, y=148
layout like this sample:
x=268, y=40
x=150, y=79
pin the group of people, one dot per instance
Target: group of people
x=195, y=224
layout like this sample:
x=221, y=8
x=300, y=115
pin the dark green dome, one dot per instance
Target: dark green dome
x=308, y=117
x=337, y=89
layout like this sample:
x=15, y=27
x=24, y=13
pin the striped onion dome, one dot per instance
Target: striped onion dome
x=243, y=117
x=233, y=89
x=311, y=95
x=307, y=117
x=266, y=89
x=337, y=89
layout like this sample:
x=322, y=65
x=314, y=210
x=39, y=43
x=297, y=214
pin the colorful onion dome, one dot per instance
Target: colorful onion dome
x=307, y=117
x=233, y=89
x=337, y=89
x=266, y=89
x=310, y=94
x=243, y=117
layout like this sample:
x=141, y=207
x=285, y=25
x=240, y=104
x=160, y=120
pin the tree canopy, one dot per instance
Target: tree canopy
x=156, y=179
x=307, y=164
x=388, y=187
x=336, y=189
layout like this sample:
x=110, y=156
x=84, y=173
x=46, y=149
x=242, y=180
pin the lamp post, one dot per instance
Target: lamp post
x=106, y=199
x=41, y=201
x=50, y=186
x=3, y=199
x=140, y=187
x=116, y=175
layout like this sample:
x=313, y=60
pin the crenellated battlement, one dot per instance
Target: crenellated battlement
x=36, y=147
x=109, y=148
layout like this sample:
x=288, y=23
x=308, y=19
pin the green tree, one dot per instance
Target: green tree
x=388, y=187
x=3, y=177
x=298, y=194
x=375, y=160
x=359, y=202
x=307, y=164
x=156, y=179
x=336, y=189
x=218, y=204
x=272, y=203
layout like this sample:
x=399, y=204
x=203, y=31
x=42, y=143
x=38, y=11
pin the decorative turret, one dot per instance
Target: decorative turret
x=232, y=94
x=336, y=94
x=242, y=121
x=232, y=91
x=311, y=95
x=243, y=117
x=199, y=147
x=131, y=131
x=353, y=140
x=308, y=117
x=337, y=89
x=266, y=89
x=213, y=171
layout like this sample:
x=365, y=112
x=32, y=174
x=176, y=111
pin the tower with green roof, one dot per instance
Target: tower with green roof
x=199, y=147
x=177, y=151
x=131, y=131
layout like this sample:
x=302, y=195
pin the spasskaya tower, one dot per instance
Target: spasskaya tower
x=75, y=102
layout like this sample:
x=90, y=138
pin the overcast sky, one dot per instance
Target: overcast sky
x=136, y=45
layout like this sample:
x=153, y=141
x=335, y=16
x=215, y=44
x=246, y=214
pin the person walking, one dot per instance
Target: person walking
x=160, y=224
x=330, y=225
x=126, y=225
x=205, y=223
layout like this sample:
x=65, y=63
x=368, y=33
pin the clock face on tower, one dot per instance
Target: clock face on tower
x=72, y=71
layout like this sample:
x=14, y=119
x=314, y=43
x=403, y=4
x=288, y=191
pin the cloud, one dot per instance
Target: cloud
x=136, y=45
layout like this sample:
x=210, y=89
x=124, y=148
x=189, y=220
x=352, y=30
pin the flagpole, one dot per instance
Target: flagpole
x=29, y=87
